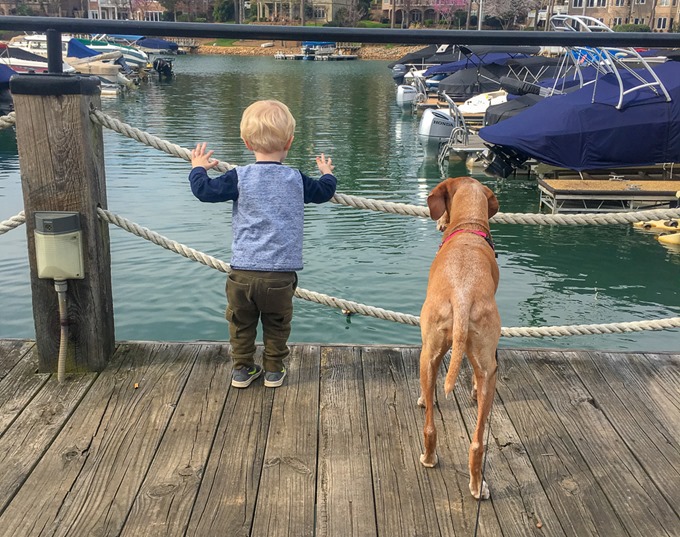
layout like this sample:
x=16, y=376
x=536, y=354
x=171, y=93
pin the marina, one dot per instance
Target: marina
x=580, y=443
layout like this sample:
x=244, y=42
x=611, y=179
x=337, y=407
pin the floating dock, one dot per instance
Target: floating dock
x=581, y=443
x=602, y=195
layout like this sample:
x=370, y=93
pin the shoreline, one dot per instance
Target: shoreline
x=366, y=52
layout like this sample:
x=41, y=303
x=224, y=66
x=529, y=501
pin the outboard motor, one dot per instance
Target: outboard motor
x=398, y=73
x=406, y=94
x=503, y=161
x=163, y=66
x=435, y=128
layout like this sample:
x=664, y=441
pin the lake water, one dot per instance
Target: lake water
x=549, y=275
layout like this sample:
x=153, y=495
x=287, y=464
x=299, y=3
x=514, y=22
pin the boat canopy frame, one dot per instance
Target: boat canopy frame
x=606, y=60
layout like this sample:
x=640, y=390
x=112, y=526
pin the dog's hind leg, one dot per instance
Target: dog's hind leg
x=485, y=380
x=434, y=348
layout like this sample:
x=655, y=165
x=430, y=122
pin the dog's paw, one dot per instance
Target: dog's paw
x=485, y=495
x=421, y=401
x=429, y=463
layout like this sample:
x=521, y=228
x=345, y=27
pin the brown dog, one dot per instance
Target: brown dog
x=460, y=311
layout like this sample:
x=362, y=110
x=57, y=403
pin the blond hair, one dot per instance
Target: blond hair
x=267, y=126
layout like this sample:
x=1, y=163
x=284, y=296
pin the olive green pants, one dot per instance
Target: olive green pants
x=254, y=295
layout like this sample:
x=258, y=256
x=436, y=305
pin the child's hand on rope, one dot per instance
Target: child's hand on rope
x=201, y=157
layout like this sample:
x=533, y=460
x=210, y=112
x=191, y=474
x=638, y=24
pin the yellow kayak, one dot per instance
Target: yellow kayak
x=671, y=238
x=659, y=225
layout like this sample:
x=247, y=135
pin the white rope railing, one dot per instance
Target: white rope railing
x=380, y=313
x=8, y=121
x=13, y=222
x=381, y=206
x=401, y=208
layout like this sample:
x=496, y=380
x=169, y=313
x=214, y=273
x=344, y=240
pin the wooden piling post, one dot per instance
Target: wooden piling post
x=61, y=156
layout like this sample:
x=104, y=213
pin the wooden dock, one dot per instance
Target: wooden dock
x=606, y=195
x=582, y=444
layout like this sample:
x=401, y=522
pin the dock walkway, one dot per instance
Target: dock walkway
x=582, y=444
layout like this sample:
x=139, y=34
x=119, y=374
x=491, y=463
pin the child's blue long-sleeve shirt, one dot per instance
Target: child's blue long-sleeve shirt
x=268, y=216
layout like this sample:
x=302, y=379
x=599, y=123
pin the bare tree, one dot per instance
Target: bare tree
x=507, y=11
x=446, y=9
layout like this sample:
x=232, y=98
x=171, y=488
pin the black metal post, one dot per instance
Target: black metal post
x=55, y=61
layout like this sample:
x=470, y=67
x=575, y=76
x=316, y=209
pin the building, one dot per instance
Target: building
x=659, y=15
x=321, y=12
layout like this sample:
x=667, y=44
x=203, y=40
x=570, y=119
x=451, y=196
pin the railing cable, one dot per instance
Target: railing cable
x=8, y=121
x=13, y=222
x=381, y=206
x=380, y=313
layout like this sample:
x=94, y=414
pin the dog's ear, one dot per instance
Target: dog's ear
x=436, y=201
x=492, y=200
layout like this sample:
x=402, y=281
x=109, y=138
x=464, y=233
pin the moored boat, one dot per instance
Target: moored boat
x=135, y=58
x=23, y=61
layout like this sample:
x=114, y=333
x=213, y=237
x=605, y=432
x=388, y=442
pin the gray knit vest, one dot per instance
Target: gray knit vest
x=268, y=219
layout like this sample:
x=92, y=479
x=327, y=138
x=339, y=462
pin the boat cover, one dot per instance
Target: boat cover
x=129, y=38
x=77, y=49
x=6, y=73
x=470, y=61
x=318, y=43
x=459, y=52
x=469, y=82
x=510, y=108
x=417, y=57
x=157, y=44
x=572, y=131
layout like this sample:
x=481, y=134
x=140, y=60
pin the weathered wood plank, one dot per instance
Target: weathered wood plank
x=187, y=455
x=403, y=495
x=290, y=457
x=86, y=482
x=518, y=498
x=126, y=442
x=455, y=507
x=226, y=499
x=638, y=503
x=663, y=389
x=11, y=352
x=620, y=393
x=346, y=505
x=36, y=505
x=578, y=500
x=18, y=388
x=166, y=497
x=31, y=434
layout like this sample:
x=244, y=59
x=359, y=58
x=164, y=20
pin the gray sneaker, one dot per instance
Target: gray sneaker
x=242, y=377
x=274, y=379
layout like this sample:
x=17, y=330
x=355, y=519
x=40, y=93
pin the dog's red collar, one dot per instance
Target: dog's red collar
x=484, y=235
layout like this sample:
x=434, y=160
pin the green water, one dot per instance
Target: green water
x=549, y=275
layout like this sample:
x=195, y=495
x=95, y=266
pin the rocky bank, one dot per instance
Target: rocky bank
x=254, y=48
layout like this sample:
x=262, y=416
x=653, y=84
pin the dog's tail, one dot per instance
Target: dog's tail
x=458, y=341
